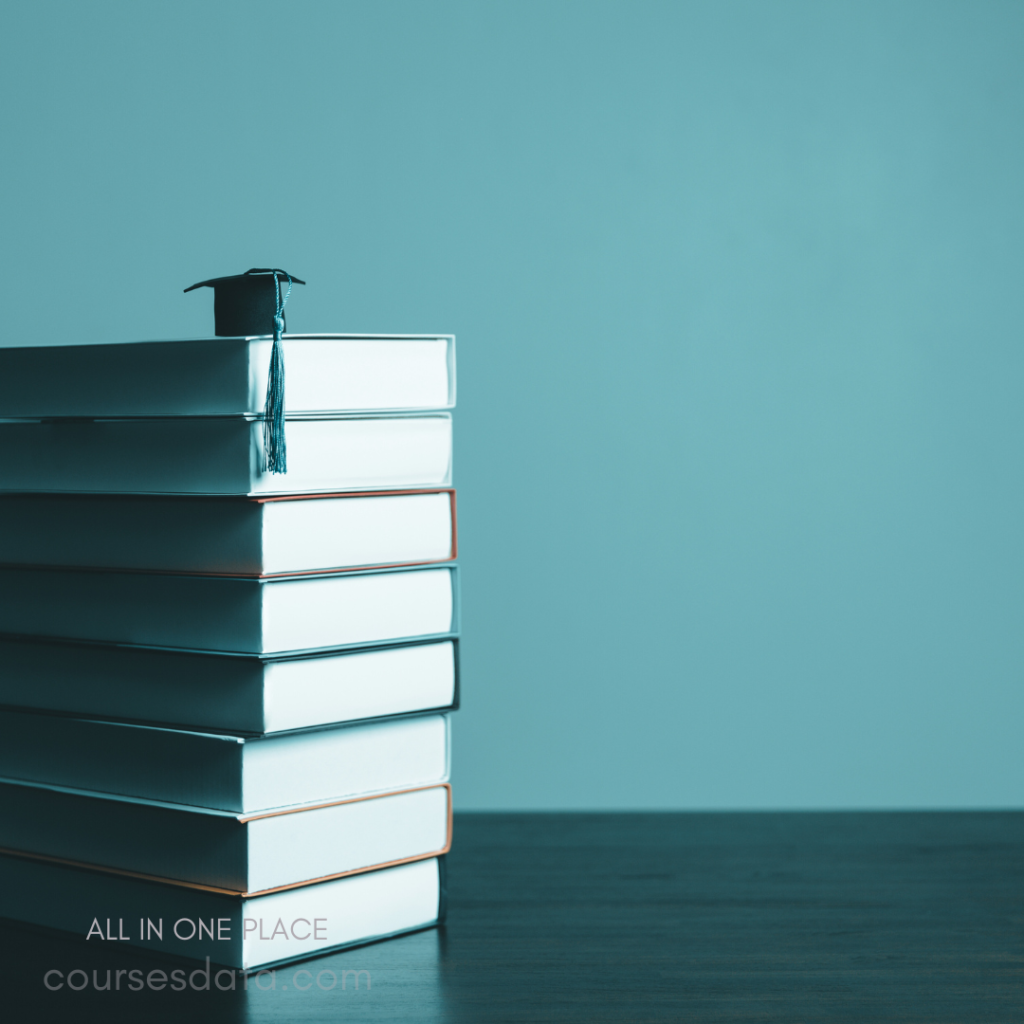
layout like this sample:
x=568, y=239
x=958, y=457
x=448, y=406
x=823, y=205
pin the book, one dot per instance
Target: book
x=224, y=455
x=243, y=774
x=249, y=694
x=240, y=853
x=245, y=933
x=240, y=536
x=229, y=613
x=228, y=376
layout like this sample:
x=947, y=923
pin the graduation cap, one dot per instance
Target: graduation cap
x=252, y=303
x=246, y=304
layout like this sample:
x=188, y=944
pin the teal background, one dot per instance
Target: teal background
x=738, y=293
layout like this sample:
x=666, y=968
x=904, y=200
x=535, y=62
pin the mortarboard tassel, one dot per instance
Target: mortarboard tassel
x=275, y=449
x=241, y=309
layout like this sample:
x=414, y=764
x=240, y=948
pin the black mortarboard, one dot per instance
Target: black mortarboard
x=246, y=304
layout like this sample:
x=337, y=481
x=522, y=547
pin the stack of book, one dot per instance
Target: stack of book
x=224, y=693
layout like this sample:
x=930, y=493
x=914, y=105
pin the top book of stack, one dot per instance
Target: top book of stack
x=327, y=374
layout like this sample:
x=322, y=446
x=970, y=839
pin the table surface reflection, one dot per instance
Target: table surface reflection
x=648, y=917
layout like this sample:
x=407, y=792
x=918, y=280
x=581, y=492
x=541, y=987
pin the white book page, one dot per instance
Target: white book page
x=367, y=684
x=332, y=611
x=289, y=848
x=361, y=907
x=327, y=533
x=358, y=374
x=349, y=454
x=338, y=763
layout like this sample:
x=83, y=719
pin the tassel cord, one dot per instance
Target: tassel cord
x=275, y=449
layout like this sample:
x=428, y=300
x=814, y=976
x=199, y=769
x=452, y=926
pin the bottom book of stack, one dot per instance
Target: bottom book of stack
x=244, y=931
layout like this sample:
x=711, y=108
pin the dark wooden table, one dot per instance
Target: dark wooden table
x=653, y=917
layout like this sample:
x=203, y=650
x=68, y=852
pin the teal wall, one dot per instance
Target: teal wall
x=738, y=292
